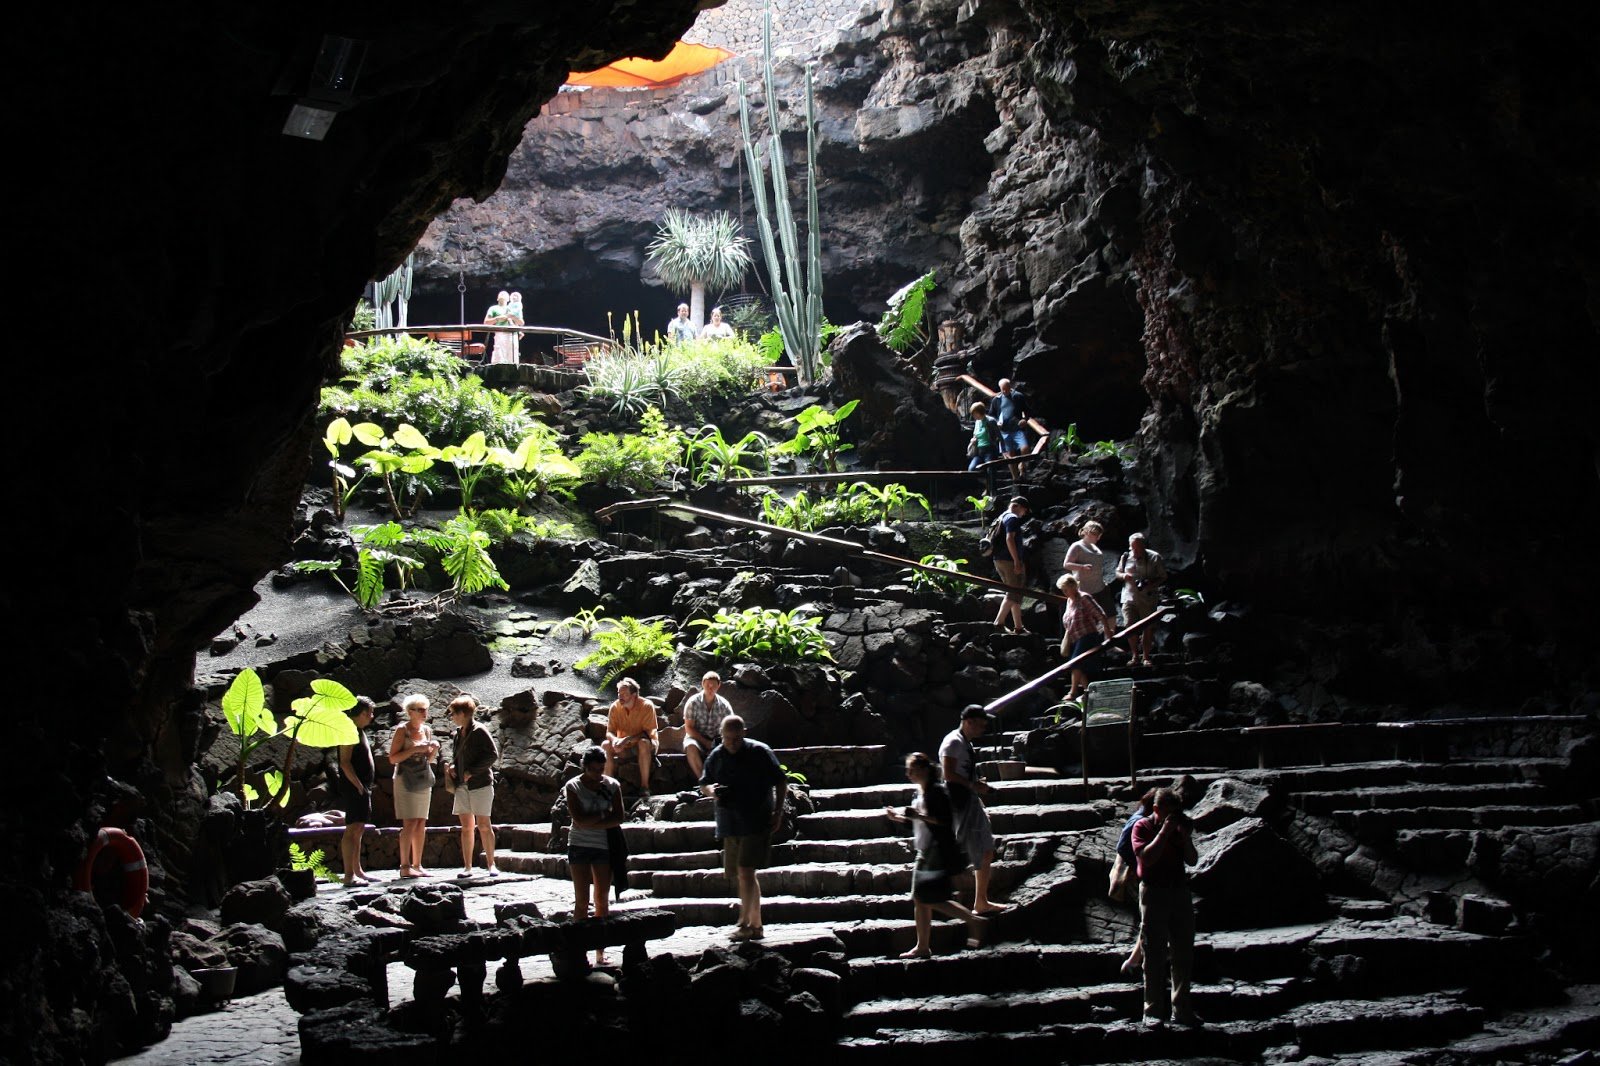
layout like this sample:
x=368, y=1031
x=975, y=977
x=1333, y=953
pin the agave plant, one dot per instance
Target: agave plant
x=695, y=252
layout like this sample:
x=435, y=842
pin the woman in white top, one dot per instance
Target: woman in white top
x=1086, y=562
x=716, y=329
x=504, y=349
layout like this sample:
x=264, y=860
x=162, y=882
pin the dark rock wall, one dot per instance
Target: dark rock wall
x=1338, y=265
x=225, y=258
x=1362, y=244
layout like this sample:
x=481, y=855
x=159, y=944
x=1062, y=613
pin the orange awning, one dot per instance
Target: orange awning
x=684, y=59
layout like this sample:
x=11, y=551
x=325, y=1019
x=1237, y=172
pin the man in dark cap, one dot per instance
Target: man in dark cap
x=959, y=761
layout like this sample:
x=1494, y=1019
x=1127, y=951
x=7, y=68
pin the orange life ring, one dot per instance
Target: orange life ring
x=129, y=862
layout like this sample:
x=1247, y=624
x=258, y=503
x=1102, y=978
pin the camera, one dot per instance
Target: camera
x=1140, y=583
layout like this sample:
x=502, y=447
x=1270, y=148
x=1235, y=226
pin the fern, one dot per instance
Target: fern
x=316, y=862
x=902, y=325
x=464, y=554
x=632, y=643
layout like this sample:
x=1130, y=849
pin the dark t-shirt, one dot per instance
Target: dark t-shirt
x=1007, y=410
x=751, y=773
x=1010, y=523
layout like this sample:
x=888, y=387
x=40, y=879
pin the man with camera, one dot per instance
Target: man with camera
x=1163, y=843
x=1142, y=574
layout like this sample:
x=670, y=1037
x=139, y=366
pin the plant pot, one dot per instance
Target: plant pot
x=216, y=983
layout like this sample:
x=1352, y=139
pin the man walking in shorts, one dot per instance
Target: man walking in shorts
x=745, y=777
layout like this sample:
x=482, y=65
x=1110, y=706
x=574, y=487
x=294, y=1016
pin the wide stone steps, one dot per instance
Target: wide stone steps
x=1035, y=792
x=809, y=879
x=1010, y=1011
x=1316, y=1028
x=776, y=909
x=1418, y=796
x=1384, y=821
x=869, y=822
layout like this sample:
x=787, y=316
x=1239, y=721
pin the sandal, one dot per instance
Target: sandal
x=915, y=954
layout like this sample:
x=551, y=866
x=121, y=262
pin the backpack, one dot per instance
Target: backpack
x=990, y=535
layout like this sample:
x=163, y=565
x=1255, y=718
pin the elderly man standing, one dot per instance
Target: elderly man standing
x=1163, y=843
x=1010, y=411
x=745, y=777
x=631, y=727
x=703, y=712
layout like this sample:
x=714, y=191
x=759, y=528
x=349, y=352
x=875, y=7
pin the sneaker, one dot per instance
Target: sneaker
x=1189, y=1018
x=494, y=871
x=1153, y=1022
x=644, y=796
x=688, y=796
x=463, y=875
x=749, y=932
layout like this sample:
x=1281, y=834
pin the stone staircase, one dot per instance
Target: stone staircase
x=1374, y=977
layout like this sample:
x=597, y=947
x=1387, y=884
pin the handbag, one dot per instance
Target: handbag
x=972, y=447
x=1121, y=875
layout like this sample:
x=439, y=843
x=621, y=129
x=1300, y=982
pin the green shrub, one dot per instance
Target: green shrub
x=631, y=644
x=850, y=505
x=502, y=524
x=632, y=460
x=763, y=633
x=713, y=458
x=402, y=379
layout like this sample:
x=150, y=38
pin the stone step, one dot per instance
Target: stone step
x=1405, y=955
x=1337, y=776
x=812, y=879
x=1383, y=822
x=1037, y=791
x=1491, y=794
x=777, y=910
x=1346, y=1026
x=868, y=823
x=1014, y=1011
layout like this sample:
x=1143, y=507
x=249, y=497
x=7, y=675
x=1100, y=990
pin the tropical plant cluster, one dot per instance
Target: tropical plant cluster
x=654, y=372
x=402, y=379
x=764, y=633
x=856, y=504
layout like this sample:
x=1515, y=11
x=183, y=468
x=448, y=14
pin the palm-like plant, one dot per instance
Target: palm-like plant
x=698, y=251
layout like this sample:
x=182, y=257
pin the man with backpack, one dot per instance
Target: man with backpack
x=1010, y=560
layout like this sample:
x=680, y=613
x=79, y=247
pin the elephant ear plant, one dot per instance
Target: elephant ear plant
x=318, y=721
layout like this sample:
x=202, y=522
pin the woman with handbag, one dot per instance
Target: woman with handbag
x=984, y=447
x=471, y=776
x=411, y=752
x=939, y=857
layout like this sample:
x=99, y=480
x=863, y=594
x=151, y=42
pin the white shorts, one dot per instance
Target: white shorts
x=477, y=801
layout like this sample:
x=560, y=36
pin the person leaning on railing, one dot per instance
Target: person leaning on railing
x=1080, y=618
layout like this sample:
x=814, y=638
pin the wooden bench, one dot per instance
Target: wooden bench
x=460, y=342
x=573, y=354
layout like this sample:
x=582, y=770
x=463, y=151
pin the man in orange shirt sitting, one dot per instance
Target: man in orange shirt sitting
x=631, y=727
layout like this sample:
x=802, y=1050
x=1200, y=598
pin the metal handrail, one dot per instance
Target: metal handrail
x=479, y=327
x=994, y=705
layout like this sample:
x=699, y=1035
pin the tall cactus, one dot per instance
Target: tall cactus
x=797, y=299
